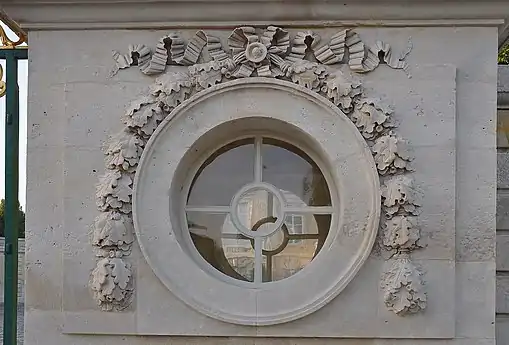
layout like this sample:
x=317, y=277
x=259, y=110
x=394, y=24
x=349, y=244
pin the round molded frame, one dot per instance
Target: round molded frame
x=157, y=200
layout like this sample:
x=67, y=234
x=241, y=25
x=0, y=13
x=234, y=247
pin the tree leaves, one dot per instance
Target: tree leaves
x=21, y=220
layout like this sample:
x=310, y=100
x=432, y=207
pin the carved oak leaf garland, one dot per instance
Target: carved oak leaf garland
x=309, y=74
x=401, y=232
x=342, y=90
x=400, y=196
x=391, y=154
x=270, y=52
x=111, y=283
x=402, y=286
x=371, y=117
x=113, y=229
x=123, y=151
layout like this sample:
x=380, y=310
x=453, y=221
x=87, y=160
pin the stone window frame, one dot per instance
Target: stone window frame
x=218, y=298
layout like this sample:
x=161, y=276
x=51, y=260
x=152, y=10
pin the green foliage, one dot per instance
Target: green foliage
x=21, y=215
x=503, y=56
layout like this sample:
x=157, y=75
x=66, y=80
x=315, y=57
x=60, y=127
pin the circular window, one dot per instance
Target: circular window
x=256, y=202
x=259, y=209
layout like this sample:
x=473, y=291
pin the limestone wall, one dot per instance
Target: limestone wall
x=75, y=104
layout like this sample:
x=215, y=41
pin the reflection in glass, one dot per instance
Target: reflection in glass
x=285, y=249
x=298, y=246
x=258, y=209
x=290, y=169
x=223, y=174
x=221, y=245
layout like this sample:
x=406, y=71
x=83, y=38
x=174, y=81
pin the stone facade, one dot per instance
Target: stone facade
x=426, y=276
x=502, y=208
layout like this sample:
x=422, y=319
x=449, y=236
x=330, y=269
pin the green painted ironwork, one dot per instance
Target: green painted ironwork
x=11, y=220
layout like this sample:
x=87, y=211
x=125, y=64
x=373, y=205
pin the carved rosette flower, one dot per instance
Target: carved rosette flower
x=400, y=196
x=391, y=154
x=401, y=233
x=111, y=282
x=403, y=287
x=262, y=53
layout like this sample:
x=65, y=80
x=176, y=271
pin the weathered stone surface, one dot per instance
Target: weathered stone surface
x=502, y=293
x=502, y=210
x=503, y=170
x=502, y=329
x=446, y=113
x=502, y=251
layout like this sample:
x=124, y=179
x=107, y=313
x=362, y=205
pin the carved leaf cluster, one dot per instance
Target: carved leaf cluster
x=112, y=284
x=206, y=74
x=403, y=287
x=310, y=75
x=114, y=191
x=172, y=89
x=391, y=154
x=112, y=231
x=401, y=233
x=342, y=89
x=123, y=151
x=371, y=117
x=399, y=196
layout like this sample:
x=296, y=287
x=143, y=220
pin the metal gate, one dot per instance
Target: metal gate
x=11, y=51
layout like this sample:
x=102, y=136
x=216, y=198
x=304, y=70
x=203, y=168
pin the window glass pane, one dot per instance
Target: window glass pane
x=291, y=260
x=294, y=173
x=221, y=245
x=287, y=256
x=263, y=209
x=223, y=174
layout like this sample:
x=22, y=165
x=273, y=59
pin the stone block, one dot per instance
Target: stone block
x=502, y=293
x=503, y=170
x=503, y=251
x=446, y=111
x=475, y=299
x=502, y=210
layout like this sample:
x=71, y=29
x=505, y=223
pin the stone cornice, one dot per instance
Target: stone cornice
x=119, y=14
